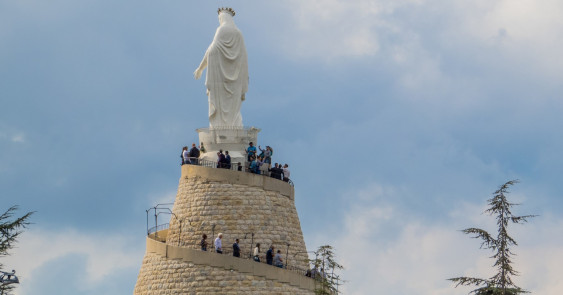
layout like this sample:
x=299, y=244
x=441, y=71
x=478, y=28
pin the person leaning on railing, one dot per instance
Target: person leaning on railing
x=276, y=172
x=278, y=259
x=254, y=165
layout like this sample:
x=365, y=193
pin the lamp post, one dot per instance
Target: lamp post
x=156, y=209
x=287, y=255
x=251, y=243
x=213, y=235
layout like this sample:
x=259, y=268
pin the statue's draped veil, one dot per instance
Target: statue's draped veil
x=227, y=74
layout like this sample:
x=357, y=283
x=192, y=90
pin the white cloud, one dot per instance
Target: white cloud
x=106, y=254
x=384, y=249
x=334, y=28
x=20, y=138
x=524, y=34
x=11, y=134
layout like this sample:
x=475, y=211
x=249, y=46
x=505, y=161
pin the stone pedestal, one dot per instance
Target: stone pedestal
x=227, y=138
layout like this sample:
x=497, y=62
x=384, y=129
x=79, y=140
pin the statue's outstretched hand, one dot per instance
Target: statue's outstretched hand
x=243, y=97
x=197, y=73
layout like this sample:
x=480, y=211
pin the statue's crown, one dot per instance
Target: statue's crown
x=226, y=9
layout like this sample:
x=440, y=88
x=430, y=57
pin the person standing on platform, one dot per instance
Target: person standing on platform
x=257, y=253
x=227, y=160
x=236, y=249
x=286, y=173
x=267, y=155
x=250, y=151
x=185, y=156
x=220, y=159
x=270, y=255
x=203, y=242
x=194, y=155
x=276, y=172
x=254, y=166
x=219, y=244
x=278, y=260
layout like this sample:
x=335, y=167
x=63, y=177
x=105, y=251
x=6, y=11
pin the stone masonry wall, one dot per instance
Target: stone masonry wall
x=159, y=276
x=238, y=203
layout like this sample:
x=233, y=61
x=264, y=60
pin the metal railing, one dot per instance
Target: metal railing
x=228, y=250
x=247, y=255
x=232, y=166
x=219, y=128
x=158, y=228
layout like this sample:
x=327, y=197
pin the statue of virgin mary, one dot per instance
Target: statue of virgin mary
x=227, y=72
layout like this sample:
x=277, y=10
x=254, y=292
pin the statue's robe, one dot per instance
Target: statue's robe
x=227, y=74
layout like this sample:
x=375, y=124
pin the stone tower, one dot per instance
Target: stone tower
x=237, y=204
x=254, y=208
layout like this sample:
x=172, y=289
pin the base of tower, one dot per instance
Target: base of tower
x=176, y=270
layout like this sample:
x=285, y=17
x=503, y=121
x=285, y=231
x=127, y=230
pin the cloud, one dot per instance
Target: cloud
x=103, y=256
x=332, y=29
x=522, y=37
x=20, y=138
x=383, y=247
x=11, y=135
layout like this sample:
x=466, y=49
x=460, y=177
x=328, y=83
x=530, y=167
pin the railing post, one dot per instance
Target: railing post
x=287, y=255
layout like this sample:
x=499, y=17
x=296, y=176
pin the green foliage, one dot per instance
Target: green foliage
x=323, y=271
x=9, y=232
x=501, y=283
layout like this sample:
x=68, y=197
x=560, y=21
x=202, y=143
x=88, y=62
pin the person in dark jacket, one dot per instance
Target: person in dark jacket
x=220, y=159
x=270, y=255
x=236, y=249
x=194, y=154
x=203, y=242
x=276, y=172
x=227, y=160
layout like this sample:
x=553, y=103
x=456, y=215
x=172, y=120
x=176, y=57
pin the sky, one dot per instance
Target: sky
x=398, y=119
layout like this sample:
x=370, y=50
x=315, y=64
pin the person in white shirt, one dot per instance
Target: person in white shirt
x=219, y=244
x=185, y=157
x=257, y=253
x=286, y=173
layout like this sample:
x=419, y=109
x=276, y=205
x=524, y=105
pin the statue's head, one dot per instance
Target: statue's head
x=225, y=15
x=227, y=10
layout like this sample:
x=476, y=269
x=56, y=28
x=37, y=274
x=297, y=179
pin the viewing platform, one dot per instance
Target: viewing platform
x=235, y=177
x=242, y=265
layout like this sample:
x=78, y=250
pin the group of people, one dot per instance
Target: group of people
x=191, y=156
x=272, y=258
x=223, y=160
x=258, y=164
x=315, y=273
x=219, y=245
x=262, y=163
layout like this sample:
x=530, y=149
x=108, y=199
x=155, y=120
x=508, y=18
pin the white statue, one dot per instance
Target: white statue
x=227, y=72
